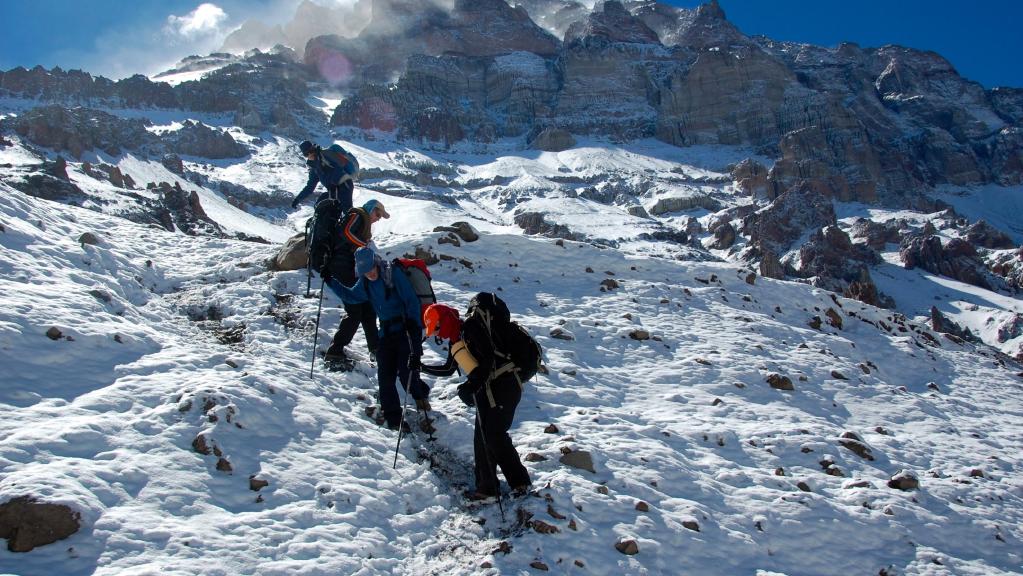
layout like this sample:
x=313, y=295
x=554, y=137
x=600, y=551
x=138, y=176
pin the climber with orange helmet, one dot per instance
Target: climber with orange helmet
x=471, y=351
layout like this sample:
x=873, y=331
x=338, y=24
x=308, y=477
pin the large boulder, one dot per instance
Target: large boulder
x=293, y=255
x=27, y=523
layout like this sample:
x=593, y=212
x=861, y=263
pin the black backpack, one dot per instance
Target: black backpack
x=321, y=232
x=512, y=343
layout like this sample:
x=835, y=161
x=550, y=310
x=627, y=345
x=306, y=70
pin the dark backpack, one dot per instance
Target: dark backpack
x=512, y=343
x=321, y=232
x=419, y=276
x=342, y=158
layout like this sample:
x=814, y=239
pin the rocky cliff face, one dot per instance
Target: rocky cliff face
x=856, y=124
x=267, y=90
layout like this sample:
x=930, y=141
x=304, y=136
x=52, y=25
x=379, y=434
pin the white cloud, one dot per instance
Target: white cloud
x=204, y=20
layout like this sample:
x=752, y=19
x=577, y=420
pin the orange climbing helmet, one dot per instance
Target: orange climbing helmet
x=442, y=321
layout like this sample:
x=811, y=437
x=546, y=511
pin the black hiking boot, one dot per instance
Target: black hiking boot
x=524, y=490
x=336, y=359
x=405, y=428
x=477, y=497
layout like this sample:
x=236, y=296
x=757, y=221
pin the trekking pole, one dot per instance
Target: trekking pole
x=309, y=259
x=400, y=430
x=316, y=334
x=490, y=465
x=417, y=374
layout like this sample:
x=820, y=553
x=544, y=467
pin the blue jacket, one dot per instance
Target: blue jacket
x=321, y=170
x=397, y=307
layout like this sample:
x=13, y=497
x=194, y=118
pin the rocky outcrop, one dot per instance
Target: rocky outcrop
x=831, y=261
x=1009, y=266
x=877, y=234
x=984, y=235
x=612, y=23
x=552, y=140
x=197, y=139
x=184, y=211
x=80, y=130
x=776, y=227
x=533, y=223
x=750, y=176
x=956, y=259
x=262, y=81
x=941, y=323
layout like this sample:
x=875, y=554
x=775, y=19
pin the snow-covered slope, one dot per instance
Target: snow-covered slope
x=172, y=345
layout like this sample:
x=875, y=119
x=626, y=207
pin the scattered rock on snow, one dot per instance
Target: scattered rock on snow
x=88, y=238
x=224, y=465
x=201, y=446
x=838, y=375
x=853, y=442
x=579, y=459
x=539, y=565
x=54, y=333
x=803, y=486
x=534, y=457
x=691, y=525
x=550, y=429
x=608, y=284
x=256, y=484
x=461, y=229
x=27, y=523
x=639, y=335
x=904, y=480
x=542, y=527
x=561, y=334
x=627, y=547
x=834, y=318
x=779, y=382
x=642, y=506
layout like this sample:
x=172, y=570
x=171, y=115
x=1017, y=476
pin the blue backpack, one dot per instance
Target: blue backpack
x=343, y=159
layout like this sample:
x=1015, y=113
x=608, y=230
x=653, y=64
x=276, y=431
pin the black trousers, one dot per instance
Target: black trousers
x=342, y=267
x=392, y=369
x=491, y=443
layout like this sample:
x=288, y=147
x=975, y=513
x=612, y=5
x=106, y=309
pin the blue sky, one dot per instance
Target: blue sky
x=117, y=39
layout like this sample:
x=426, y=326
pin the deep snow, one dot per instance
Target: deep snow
x=104, y=418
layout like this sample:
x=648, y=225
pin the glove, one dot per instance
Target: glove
x=414, y=363
x=294, y=204
x=325, y=273
x=467, y=393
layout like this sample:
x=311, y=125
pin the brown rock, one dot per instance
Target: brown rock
x=541, y=527
x=539, y=565
x=904, y=480
x=201, y=446
x=256, y=484
x=224, y=465
x=627, y=547
x=550, y=429
x=534, y=457
x=779, y=382
x=293, y=255
x=580, y=459
x=834, y=318
x=642, y=506
x=691, y=525
x=803, y=486
x=838, y=375
x=853, y=442
x=639, y=335
x=54, y=333
x=27, y=523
